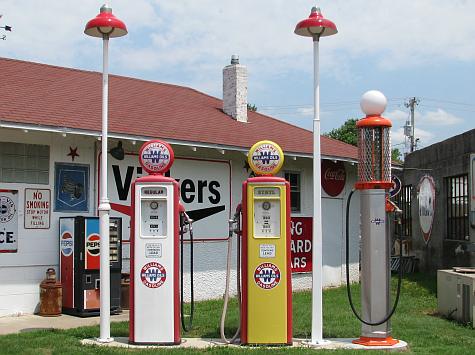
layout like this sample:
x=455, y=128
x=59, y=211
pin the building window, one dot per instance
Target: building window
x=295, y=181
x=404, y=201
x=24, y=163
x=457, y=207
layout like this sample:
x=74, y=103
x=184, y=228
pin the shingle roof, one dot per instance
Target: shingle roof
x=48, y=95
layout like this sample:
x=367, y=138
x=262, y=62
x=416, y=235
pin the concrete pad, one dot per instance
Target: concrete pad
x=31, y=322
x=200, y=343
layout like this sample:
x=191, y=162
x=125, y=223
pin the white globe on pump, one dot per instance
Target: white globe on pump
x=373, y=102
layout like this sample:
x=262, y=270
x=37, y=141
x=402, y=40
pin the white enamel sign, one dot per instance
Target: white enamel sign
x=8, y=221
x=37, y=208
x=426, y=199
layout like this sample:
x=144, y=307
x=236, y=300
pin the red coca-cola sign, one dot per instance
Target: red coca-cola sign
x=333, y=177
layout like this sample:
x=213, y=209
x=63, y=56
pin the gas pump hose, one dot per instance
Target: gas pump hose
x=228, y=276
x=348, y=290
x=187, y=327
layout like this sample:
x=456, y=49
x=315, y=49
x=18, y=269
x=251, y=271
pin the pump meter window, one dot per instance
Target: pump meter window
x=153, y=212
x=267, y=212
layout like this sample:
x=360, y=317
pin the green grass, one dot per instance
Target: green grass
x=414, y=322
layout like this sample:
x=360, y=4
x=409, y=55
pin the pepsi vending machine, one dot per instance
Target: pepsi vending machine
x=80, y=261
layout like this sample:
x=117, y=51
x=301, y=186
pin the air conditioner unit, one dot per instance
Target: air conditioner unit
x=455, y=294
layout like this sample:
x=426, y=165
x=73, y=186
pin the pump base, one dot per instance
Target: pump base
x=367, y=341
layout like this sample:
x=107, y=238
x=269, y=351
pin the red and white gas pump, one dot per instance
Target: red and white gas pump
x=265, y=293
x=374, y=181
x=157, y=222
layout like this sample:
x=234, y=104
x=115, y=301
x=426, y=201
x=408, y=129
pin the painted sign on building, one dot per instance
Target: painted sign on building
x=333, y=177
x=426, y=199
x=8, y=221
x=301, y=244
x=205, y=191
x=37, y=208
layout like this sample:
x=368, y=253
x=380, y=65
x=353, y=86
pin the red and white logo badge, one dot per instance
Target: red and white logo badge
x=267, y=276
x=156, y=157
x=66, y=244
x=93, y=244
x=153, y=275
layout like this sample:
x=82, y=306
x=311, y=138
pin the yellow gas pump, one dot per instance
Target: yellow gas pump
x=266, y=299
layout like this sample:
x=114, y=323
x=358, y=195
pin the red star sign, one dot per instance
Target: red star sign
x=73, y=153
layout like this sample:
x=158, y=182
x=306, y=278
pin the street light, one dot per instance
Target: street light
x=316, y=26
x=105, y=26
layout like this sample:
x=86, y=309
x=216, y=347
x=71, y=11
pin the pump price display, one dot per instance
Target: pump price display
x=154, y=218
x=266, y=212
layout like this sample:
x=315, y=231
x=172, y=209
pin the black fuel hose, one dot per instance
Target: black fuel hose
x=348, y=290
x=186, y=327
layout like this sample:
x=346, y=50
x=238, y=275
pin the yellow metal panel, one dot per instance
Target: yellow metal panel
x=267, y=308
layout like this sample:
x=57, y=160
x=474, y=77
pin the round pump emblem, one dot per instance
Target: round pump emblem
x=267, y=276
x=265, y=158
x=156, y=157
x=93, y=244
x=66, y=244
x=153, y=275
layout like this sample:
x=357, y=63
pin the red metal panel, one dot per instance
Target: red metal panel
x=67, y=265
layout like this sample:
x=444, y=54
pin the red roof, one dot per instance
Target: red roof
x=47, y=95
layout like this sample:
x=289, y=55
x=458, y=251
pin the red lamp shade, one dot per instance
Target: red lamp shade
x=105, y=24
x=315, y=25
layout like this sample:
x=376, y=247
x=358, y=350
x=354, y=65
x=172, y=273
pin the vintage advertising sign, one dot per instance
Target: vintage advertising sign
x=71, y=187
x=205, y=191
x=156, y=157
x=92, y=250
x=301, y=244
x=37, y=208
x=333, y=177
x=397, y=184
x=265, y=158
x=426, y=199
x=8, y=221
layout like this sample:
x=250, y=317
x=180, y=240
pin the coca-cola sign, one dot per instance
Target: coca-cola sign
x=333, y=177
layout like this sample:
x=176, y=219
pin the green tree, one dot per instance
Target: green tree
x=396, y=156
x=252, y=107
x=347, y=133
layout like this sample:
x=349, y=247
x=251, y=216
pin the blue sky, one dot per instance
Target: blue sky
x=422, y=48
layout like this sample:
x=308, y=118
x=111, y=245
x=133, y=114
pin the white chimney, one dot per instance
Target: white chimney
x=235, y=90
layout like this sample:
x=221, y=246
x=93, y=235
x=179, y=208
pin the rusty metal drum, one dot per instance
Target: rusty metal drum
x=51, y=294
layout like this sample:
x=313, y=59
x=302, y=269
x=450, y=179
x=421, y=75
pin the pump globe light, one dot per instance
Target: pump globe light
x=373, y=102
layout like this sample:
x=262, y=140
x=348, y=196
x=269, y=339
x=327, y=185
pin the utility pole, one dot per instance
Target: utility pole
x=409, y=128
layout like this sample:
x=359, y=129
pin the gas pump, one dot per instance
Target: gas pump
x=374, y=181
x=265, y=291
x=158, y=221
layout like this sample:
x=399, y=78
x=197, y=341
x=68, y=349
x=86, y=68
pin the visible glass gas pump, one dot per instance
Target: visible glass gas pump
x=158, y=221
x=265, y=292
x=374, y=181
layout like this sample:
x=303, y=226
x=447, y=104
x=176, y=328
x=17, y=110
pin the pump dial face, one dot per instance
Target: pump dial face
x=154, y=218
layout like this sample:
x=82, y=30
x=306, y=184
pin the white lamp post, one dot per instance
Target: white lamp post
x=316, y=26
x=105, y=25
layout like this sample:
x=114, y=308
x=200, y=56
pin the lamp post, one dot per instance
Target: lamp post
x=316, y=26
x=105, y=26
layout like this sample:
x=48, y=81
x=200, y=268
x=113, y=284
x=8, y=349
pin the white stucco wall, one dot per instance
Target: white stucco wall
x=21, y=272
